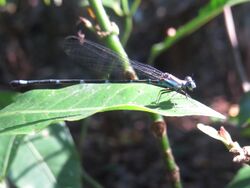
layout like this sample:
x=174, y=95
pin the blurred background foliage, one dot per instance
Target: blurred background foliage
x=119, y=149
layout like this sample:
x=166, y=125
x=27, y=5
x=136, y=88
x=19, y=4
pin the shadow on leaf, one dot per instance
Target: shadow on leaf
x=162, y=105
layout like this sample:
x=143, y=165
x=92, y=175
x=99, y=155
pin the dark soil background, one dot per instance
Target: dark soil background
x=119, y=150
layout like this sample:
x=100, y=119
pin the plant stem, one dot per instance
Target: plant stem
x=111, y=39
x=90, y=181
x=134, y=6
x=113, y=42
x=128, y=14
x=128, y=22
x=206, y=13
x=159, y=128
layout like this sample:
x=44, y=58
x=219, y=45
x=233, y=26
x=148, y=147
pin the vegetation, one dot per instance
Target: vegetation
x=39, y=150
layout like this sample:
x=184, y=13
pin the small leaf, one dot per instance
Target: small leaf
x=210, y=131
x=224, y=136
x=244, y=114
x=36, y=109
x=242, y=179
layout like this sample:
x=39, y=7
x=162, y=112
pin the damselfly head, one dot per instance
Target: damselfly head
x=190, y=84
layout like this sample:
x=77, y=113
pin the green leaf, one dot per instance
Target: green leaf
x=8, y=149
x=244, y=114
x=36, y=109
x=9, y=143
x=6, y=97
x=2, y=2
x=47, y=159
x=210, y=131
x=206, y=13
x=242, y=178
x=47, y=2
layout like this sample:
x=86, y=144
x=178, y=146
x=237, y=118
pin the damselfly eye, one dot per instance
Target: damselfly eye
x=190, y=84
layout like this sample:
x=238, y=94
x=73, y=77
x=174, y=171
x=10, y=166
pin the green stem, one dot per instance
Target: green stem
x=128, y=13
x=127, y=30
x=89, y=180
x=128, y=22
x=159, y=128
x=134, y=6
x=206, y=13
x=111, y=39
x=114, y=43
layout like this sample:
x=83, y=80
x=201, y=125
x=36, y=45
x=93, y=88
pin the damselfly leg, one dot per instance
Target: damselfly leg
x=162, y=91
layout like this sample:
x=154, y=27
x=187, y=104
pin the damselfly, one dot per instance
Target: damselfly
x=99, y=58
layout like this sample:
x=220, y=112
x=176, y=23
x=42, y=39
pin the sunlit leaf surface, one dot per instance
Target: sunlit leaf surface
x=36, y=109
